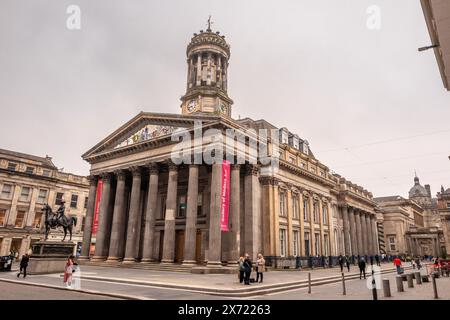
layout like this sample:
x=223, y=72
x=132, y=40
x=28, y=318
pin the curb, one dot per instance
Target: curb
x=93, y=292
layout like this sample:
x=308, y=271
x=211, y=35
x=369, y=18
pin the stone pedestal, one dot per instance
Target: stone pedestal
x=49, y=257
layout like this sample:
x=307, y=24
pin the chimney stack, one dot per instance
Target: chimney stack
x=427, y=186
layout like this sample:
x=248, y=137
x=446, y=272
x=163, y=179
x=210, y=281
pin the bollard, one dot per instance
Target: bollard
x=386, y=288
x=344, y=292
x=409, y=278
x=433, y=278
x=309, y=282
x=418, y=277
x=399, y=282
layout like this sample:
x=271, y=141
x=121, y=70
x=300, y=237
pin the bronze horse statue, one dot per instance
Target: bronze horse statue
x=52, y=222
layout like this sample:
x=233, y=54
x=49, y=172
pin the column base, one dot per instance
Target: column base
x=167, y=261
x=113, y=259
x=232, y=263
x=148, y=260
x=83, y=258
x=129, y=260
x=189, y=263
x=98, y=259
x=214, y=264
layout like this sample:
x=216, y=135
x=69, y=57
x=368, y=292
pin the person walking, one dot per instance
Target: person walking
x=241, y=273
x=23, y=265
x=362, y=268
x=371, y=260
x=260, y=267
x=341, y=262
x=347, y=263
x=398, y=264
x=68, y=272
x=248, y=269
x=377, y=259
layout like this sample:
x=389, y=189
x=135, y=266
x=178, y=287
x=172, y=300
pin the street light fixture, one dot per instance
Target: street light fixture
x=428, y=47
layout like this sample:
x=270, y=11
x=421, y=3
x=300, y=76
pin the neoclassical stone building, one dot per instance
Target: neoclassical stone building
x=27, y=182
x=154, y=209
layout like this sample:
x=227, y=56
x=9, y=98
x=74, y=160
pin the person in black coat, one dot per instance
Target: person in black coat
x=23, y=265
x=248, y=269
x=362, y=267
x=341, y=262
x=377, y=259
x=347, y=263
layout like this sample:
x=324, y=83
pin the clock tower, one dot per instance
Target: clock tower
x=207, y=60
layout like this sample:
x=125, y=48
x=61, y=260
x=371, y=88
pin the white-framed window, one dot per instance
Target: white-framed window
x=295, y=242
x=12, y=166
x=317, y=242
x=20, y=217
x=46, y=173
x=325, y=245
x=6, y=191
x=305, y=210
x=392, y=243
x=29, y=170
x=282, y=203
x=282, y=242
x=42, y=196
x=325, y=215
x=74, y=201
x=295, y=206
x=24, y=194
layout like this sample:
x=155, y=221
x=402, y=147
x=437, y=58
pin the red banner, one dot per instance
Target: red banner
x=98, y=197
x=225, y=196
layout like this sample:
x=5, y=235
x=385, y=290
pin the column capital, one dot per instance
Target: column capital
x=172, y=166
x=269, y=181
x=93, y=179
x=235, y=166
x=153, y=167
x=136, y=171
x=106, y=176
x=251, y=169
x=120, y=174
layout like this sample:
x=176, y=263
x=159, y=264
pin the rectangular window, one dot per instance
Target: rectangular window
x=19, y=219
x=307, y=244
x=181, y=206
x=42, y=197
x=295, y=243
x=200, y=204
x=59, y=196
x=37, y=219
x=305, y=210
x=316, y=212
x=2, y=217
x=295, y=207
x=325, y=215
x=392, y=244
x=12, y=166
x=282, y=204
x=6, y=191
x=317, y=242
x=46, y=173
x=24, y=194
x=29, y=170
x=325, y=239
x=282, y=242
x=74, y=201
x=85, y=202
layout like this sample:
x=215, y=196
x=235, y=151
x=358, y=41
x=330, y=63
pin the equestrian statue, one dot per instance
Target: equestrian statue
x=58, y=219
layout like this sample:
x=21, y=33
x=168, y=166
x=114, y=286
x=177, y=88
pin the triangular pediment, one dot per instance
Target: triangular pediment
x=146, y=127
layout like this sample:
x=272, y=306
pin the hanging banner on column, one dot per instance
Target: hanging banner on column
x=225, y=196
x=98, y=197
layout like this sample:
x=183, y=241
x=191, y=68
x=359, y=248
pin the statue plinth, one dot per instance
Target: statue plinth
x=49, y=257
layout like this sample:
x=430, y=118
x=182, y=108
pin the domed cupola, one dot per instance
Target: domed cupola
x=417, y=190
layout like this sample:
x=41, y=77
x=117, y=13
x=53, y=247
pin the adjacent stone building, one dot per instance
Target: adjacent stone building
x=27, y=182
x=154, y=209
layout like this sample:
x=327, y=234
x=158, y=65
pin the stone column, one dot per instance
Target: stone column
x=32, y=208
x=351, y=215
x=214, y=248
x=191, y=217
x=88, y=222
x=331, y=238
x=119, y=220
x=368, y=235
x=302, y=224
x=168, y=255
x=373, y=223
x=101, y=246
x=359, y=232
x=148, y=253
x=363, y=233
x=131, y=247
x=312, y=236
x=252, y=218
x=346, y=229
x=289, y=235
x=235, y=214
x=322, y=232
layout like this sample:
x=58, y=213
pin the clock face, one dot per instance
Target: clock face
x=191, y=106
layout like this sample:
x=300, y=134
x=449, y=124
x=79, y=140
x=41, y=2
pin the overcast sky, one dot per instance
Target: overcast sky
x=373, y=108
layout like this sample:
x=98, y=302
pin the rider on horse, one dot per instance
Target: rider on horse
x=60, y=212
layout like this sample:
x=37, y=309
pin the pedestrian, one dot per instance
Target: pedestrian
x=260, y=267
x=341, y=262
x=371, y=260
x=377, y=259
x=362, y=268
x=68, y=270
x=248, y=269
x=398, y=264
x=418, y=263
x=347, y=263
x=23, y=265
x=241, y=271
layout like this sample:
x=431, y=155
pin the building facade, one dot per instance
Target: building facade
x=27, y=183
x=412, y=226
x=443, y=206
x=153, y=208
